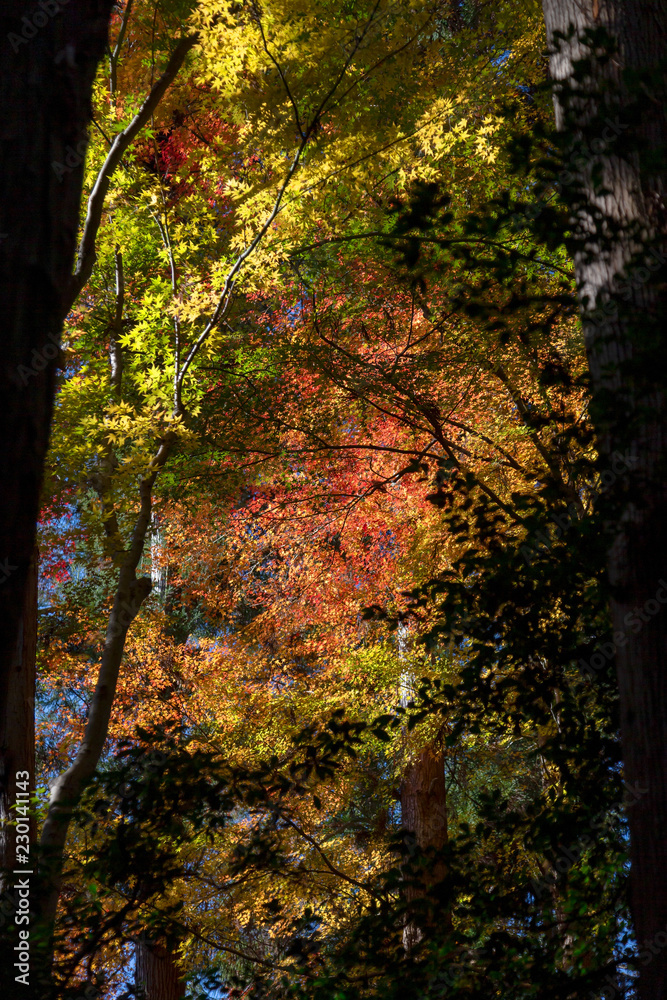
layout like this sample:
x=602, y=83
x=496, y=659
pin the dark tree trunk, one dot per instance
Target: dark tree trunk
x=49, y=57
x=46, y=78
x=50, y=53
x=627, y=349
x=424, y=816
x=157, y=974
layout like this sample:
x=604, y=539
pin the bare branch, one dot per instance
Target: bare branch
x=113, y=56
x=225, y=295
x=295, y=108
x=166, y=240
x=115, y=349
x=438, y=241
x=86, y=256
x=131, y=592
x=332, y=868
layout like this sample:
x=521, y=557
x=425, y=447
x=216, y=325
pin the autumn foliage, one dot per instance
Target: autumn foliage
x=321, y=327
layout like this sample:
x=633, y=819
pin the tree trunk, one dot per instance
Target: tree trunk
x=423, y=796
x=156, y=973
x=50, y=53
x=66, y=790
x=627, y=350
x=159, y=568
x=424, y=816
x=49, y=58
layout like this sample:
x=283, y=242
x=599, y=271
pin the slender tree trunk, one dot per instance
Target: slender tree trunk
x=627, y=351
x=156, y=971
x=157, y=974
x=131, y=589
x=49, y=58
x=66, y=791
x=131, y=592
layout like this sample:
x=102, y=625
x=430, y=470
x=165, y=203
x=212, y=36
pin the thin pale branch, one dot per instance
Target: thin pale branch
x=113, y=55
x=166, y=239
x=438, y=241
x=86, y=256
x=225, y=295
x=115, y=349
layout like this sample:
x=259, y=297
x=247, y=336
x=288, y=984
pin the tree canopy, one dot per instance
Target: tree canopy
x=326, y=702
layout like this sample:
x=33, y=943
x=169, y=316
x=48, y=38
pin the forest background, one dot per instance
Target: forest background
x=325, y=698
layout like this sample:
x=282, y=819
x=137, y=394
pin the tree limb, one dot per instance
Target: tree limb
x=86, y=256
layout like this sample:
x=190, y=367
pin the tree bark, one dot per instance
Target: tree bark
x=424, y=817
x=66, y=790
x=46, y=78
x=49, y=58
x=627, y=351
x=157, y=974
